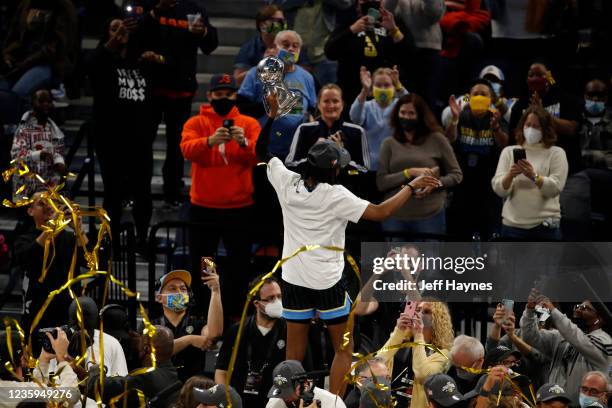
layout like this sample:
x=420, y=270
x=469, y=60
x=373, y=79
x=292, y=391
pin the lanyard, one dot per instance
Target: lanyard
x=253, y=328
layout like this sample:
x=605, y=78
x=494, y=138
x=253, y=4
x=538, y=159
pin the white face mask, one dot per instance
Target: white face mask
x=532, y=136
x=274, y=309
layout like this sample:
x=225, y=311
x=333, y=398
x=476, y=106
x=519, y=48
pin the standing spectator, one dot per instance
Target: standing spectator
x=39, y=142
x=478, y=136
x=269, y=21
x=579, y=345
x=220, y=142
x=29, y=254
x=422, y=16
x=467, y=352
x=121, y=80
x=168, y=32
x=289, y=45
x=39, y=46
x=531, y=186
x=595, y=387
x=374, y=114
x=368, y=42
x=418, y=147
x=192, y=334
x=262, y=346
x=430, y=325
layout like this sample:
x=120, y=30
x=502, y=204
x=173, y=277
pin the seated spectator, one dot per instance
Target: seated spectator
x=262, y=346
x=579, y=345
x=595, y=387
x=374, y=367
x=16, y=358
x=39, y=48
x=220, y=143
x=287, y=392
x=478, y=137
x=121, y=77
x=531, y=185
x=187, y=397
x=297, y=79
x=374, y=114
x=542, y=90
x=418, y=147
x=442, y=392
x=269, y=21
x=330, y=126
x=376, y=393
x=216, y=397
x=552, y=396
x=28, y=254
x=467, y=352
x=39, y=142
x=368, y=42
x=161, y=384
x=431, y=324
x=192, y=334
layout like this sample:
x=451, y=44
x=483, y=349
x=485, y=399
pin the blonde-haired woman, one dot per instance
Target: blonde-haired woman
x=431, y=324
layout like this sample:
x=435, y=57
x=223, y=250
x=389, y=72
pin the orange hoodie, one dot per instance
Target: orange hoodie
x=220, y=181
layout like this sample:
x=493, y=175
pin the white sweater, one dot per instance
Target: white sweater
x=526, y=205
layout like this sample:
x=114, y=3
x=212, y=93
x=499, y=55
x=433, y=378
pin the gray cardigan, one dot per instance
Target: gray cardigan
x=422, y=19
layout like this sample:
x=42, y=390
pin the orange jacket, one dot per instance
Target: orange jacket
x=218, y=181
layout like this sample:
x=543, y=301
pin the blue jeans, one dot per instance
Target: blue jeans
x=435, y=224
x=31, y=80
x=539, y=233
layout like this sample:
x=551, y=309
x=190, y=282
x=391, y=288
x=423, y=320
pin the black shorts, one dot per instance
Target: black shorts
x=300, y=304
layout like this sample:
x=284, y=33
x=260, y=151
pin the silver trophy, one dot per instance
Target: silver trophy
x=270, y=72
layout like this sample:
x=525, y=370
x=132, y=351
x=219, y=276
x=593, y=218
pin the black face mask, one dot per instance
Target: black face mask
x=223, y=105
x=364, y=7
x=408, y=124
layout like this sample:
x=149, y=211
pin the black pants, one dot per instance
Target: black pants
x=233, y=227
x=125, y=156
x=174, y=113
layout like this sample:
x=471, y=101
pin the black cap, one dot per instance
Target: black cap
x=215, y=396
x=506, y=389
x=499, y=354
x=115, y=320
x=326, y=154
x=443, y=390
x=222, y=81
x=549, y=392
x=90, y=313
x=376, y=394
x=282, y=384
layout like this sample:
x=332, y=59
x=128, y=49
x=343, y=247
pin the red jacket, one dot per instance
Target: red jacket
x=218, y=182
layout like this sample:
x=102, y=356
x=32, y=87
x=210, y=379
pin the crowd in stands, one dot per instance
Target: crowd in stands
x=441, y=119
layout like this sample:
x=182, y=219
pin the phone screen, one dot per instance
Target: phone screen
x=519, y=154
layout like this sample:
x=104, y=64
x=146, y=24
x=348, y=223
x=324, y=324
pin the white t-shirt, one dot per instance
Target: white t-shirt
x=310, y=218
x=328, y=400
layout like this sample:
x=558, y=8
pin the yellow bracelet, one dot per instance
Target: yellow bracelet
x=399, y=87
x=407, y=173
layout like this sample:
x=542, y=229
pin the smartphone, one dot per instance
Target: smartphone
x=135, y=12
x=410, y=309
x=519, y=154
x=228, y=123
x=374, y=15
x=207, y=265
x=508, y=305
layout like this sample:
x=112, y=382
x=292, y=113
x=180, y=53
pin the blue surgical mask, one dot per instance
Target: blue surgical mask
x=176, y=302
x=586, y=400
x=496, y=88
x=595, y=108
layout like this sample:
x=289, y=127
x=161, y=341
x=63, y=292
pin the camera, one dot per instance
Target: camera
x=46, y=343
x=306, y=387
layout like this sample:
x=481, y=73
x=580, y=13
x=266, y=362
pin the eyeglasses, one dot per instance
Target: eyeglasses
x=511, y=363
x=594, y=392
x=584, y=306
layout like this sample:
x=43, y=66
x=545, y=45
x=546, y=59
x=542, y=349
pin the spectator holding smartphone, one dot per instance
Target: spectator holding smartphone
x=220, y=143
x=531, y=186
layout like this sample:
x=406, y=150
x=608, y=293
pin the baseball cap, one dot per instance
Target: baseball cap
x=215, y=396
x=492, y=70
x=175, y=274
x=506, y=389
x=499, y=354
x=222, y=81
x=595, y=404
x=549, y=392
x=443, y=390
x=376, y=394
x=326, y=154
x=282, y=385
